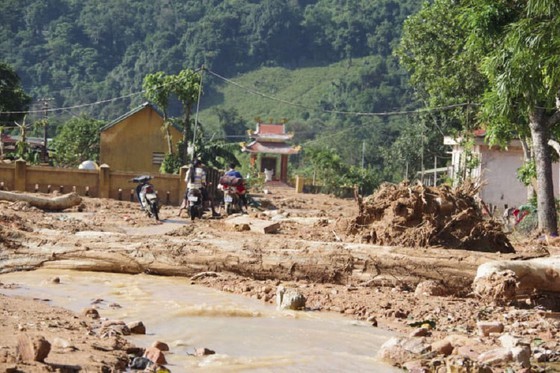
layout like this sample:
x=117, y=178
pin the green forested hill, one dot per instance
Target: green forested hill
x=85, y=51
x=316, y=60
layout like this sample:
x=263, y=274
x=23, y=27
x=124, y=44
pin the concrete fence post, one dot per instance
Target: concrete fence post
x=299, y=184
x=104, y=181
x=20, y=176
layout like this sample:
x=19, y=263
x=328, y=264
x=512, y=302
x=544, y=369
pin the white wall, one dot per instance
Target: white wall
x=498, y=173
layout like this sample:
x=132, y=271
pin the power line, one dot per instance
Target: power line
x=356, y=113
x=258, y=93
x=50, y=110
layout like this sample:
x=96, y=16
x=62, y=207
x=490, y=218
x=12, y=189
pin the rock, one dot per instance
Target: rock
x=155, y=355
x=160, y=346
x=289, y=298
x=91, y=313
x=508, y=341
x=442, y=347
x=414, y=366
x=241, y=227
x=496, y=356
x=203, y=351
x=487, y=327
x=430, y=288
x=400, y=314
x=420, y=332
x=522, y=355
x=137, y=327
x=415, y=345
x=32, y=348
x=111, y=327
x=393, y=353
x=467, y=351
x=462, y=364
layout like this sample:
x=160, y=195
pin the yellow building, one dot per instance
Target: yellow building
x=135, y=142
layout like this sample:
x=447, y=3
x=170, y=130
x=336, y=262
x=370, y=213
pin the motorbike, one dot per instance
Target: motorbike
x=232, y=200
x=195, y=205
x=147, y=196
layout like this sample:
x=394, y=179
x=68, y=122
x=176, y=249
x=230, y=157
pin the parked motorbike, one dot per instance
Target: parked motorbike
x=147, y=196
x=195, y=205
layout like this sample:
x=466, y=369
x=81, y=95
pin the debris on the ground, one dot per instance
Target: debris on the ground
x=423, y=216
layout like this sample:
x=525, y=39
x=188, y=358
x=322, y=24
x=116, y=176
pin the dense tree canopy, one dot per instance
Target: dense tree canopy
x=77, y=141
x=12, y=96
x=81, y=52
x=509, y=61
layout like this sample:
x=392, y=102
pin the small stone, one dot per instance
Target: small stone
x=430, y=288
x=373, y=321
x=91, y=313
x=487, y=327
x=443, y=347
x=289, y=298
x=137, y=327
x=522, y=355
x=34, y=348
x=508, y=341
x=203, y=351
x=420, y=332
x=414, y=366
x=496, y=356
x=155, y=355
x=467, y=351
x=160, y=346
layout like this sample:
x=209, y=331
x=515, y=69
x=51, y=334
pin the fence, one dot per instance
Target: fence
x=102, y=183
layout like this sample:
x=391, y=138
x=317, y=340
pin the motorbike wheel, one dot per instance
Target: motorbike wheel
x=155, y=211
x=229, y=209
x=193, y=211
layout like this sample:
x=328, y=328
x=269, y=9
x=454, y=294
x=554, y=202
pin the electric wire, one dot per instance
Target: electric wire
x=356, y=113
x=257, y=93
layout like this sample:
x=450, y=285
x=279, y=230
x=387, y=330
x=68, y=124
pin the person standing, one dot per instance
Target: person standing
x=240, y=187
x=195, y=179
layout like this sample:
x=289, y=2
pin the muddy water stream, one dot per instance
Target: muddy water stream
x=247, y=335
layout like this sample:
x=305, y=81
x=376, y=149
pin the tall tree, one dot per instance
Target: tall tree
x=187, y=87
x=511, y=45
x=524, y=73
x=12, y=96
x=157, y=91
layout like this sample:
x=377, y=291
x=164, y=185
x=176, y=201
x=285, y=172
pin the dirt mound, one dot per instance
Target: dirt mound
x=421, y=216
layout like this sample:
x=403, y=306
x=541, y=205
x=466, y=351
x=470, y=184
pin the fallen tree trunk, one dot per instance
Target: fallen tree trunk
x=541, y=274
x=42, y=202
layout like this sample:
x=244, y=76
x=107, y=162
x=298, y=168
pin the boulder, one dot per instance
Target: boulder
x=289, y=298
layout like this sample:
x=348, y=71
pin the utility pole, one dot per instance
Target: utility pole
x=45, y=101
x=363, y=152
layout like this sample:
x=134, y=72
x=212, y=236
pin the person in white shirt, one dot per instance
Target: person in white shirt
x=195, y=179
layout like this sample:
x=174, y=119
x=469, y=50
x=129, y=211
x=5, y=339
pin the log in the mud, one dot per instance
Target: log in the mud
x=541, y=274
x=58, y=203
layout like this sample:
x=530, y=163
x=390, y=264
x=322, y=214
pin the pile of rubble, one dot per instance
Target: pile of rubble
x=422, y=216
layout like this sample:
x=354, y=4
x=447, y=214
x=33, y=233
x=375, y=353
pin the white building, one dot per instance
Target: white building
x=496, y=169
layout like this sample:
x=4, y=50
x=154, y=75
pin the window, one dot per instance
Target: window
x=157, y=158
